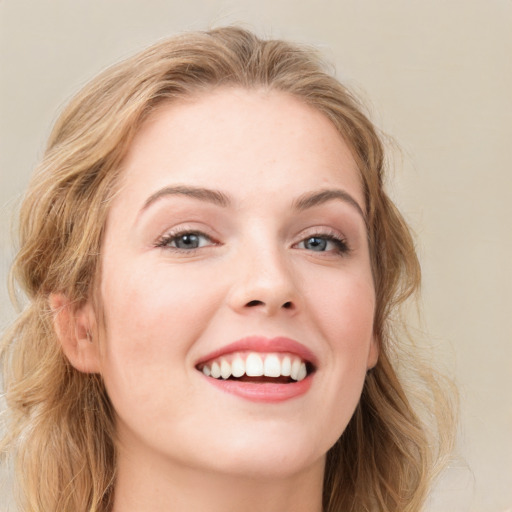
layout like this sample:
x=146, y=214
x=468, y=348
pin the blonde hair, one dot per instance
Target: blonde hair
x=61, y=424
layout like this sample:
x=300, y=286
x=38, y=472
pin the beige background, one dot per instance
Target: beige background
x=439, y=75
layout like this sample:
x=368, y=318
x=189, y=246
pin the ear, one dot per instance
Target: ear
x=373, y=353
x=76, y=331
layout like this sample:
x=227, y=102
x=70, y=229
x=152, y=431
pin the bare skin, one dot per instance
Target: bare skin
x=240, y=214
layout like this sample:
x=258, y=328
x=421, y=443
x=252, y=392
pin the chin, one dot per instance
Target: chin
x=266, y=456
x=260, y=466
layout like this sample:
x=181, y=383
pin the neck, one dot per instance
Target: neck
x=145, y=485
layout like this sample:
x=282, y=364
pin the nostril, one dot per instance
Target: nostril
x=254, y=303
x=261, y=303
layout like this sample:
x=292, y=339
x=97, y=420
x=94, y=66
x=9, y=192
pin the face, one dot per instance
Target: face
x=236, y=286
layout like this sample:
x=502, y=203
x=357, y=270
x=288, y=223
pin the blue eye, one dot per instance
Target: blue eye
x=315, y=243
x=324, y=243
x=185, y=241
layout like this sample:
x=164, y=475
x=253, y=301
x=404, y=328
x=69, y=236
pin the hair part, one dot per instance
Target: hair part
x=61, y=424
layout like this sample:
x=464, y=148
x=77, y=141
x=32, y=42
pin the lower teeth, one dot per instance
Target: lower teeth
x=274, y=380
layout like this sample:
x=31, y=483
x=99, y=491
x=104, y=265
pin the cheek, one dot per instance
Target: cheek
x=152, y=316
x=344, y=307
x=344, y=312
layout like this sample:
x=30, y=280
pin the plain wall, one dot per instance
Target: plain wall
x=438, y=76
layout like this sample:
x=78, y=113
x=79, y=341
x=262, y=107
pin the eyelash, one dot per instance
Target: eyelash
x=341, y=245
x=165, y=241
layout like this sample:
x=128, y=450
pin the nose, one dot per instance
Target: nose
x=265, y=284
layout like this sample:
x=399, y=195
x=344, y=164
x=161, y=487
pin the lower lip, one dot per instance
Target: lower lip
x=264, y=391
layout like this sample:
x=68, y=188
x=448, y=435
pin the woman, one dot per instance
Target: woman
x=212, y=266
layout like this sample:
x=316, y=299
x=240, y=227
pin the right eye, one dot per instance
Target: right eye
x=185, y=241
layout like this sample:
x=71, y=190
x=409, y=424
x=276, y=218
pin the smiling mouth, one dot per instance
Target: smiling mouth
x=256, y=367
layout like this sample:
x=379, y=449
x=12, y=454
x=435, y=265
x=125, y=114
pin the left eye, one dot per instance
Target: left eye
x=185, y=241
x=325, y=243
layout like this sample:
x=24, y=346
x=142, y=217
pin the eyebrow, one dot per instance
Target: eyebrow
x=304, y=202
x=203, y=194
x=311, y=199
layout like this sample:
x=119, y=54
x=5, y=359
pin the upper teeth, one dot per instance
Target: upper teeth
x=254, y=364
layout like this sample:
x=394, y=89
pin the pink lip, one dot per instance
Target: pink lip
x=261, y=344
x=266, y=391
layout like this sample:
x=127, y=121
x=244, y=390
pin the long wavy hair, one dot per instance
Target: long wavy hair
x=60, y=424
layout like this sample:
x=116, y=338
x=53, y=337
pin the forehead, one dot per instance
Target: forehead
x=228, y=137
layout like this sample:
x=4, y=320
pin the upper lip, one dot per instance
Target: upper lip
x=263, y=345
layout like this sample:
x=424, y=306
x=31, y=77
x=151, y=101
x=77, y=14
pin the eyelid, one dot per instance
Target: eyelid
x=320, y=230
